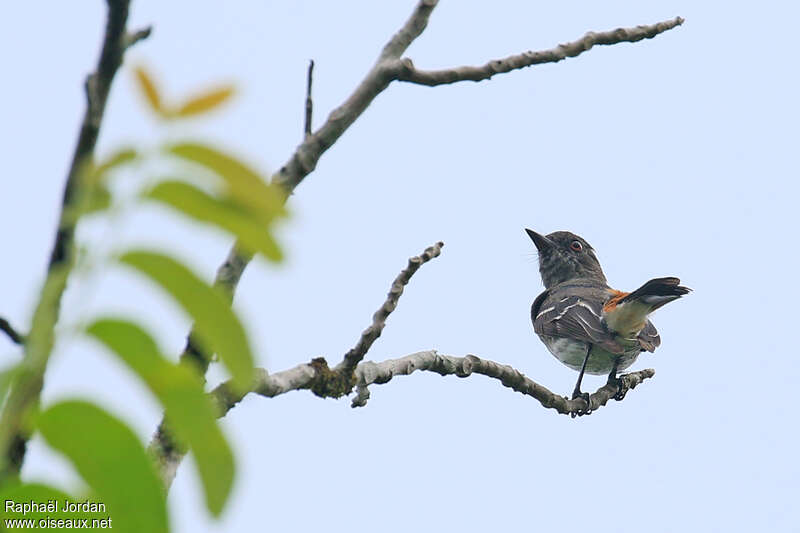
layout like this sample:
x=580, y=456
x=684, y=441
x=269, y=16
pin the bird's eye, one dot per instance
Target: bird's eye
x=576, y=245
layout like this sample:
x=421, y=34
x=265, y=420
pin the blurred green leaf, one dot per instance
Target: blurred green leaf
x=191, y=201
x=190, y=414
x=218, y=328
x=92, y=199
x=46, y=498
x=244, y=184
x=94, y=195
x=113, y=462
x=148, y=88
x=205, y=102
x=121, y=157
x=97, y=199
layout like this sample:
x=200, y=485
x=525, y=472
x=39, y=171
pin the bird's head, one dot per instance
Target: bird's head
x=565, y=256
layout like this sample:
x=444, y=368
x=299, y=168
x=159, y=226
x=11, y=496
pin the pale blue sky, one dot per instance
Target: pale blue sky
x=671, y=156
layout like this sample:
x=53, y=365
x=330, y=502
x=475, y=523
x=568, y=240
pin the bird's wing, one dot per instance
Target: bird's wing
x=649, y=339
x=575, y=318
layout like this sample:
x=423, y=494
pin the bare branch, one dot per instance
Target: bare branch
x=412, y=29
x=390, y=67
x=355, y=355
x=323, y=381
x=305, y=376
x=432, y=78
x=369, y=373
x=309, y=101
x=305, y=158
x=26, y=390
x=302, y=377
x=300, y=164
x=378, y=373
x=9, y=330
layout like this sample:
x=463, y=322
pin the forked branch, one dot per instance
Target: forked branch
x=392, y=66
x=354, y=356
x=369, y=373
x=432, y=78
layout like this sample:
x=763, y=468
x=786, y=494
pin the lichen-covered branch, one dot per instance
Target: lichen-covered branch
x=305, y=376
x=410, y=73
x=369, y=373
x=390, y=66
x=370, y=335
x=316, y=375
x=27, y=386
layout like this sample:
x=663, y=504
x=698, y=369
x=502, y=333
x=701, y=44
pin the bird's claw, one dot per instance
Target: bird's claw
x=622, y=387
x=586, y=398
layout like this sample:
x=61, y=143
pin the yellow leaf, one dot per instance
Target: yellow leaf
x=149, y=90
x=206, y=101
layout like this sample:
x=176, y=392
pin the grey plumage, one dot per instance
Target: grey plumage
x=585, y=323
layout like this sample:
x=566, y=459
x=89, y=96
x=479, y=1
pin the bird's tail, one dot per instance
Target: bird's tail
x=657, y=292
x=627, y=313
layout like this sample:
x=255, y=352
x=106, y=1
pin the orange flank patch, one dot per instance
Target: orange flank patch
x=616, y=297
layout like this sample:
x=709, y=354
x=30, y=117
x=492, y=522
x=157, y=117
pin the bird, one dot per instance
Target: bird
x=582, y=321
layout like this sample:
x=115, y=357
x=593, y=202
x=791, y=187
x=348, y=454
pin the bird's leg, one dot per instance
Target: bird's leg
x=613, y=379
x=577, y=392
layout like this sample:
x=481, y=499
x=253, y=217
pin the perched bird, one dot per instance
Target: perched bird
x=586, y=324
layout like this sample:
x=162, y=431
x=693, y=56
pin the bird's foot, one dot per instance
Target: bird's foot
x=622, y=387
x=577, y=394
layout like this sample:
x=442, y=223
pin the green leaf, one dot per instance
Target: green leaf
x=150, y=92
x=93, y=195
x=93, y=199
x=97, y=199
x=218, y=328
x=244, y=184
x=113, y=462
x=119, y=158
x=50, y=505
x=191, y=201
x=190, y=413
x=205, y=102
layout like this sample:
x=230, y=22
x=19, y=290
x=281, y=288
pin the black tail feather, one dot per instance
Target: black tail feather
x=658, y=291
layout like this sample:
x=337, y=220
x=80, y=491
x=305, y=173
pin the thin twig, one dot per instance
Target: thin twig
x=138, y=35
x=357, y=353
x=431, y=78
x=25, y=391
x=309, y=101
x=9, y=330
x=305, y=158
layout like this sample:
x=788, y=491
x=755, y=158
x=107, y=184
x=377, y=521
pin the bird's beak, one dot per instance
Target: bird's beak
x=542, y=243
